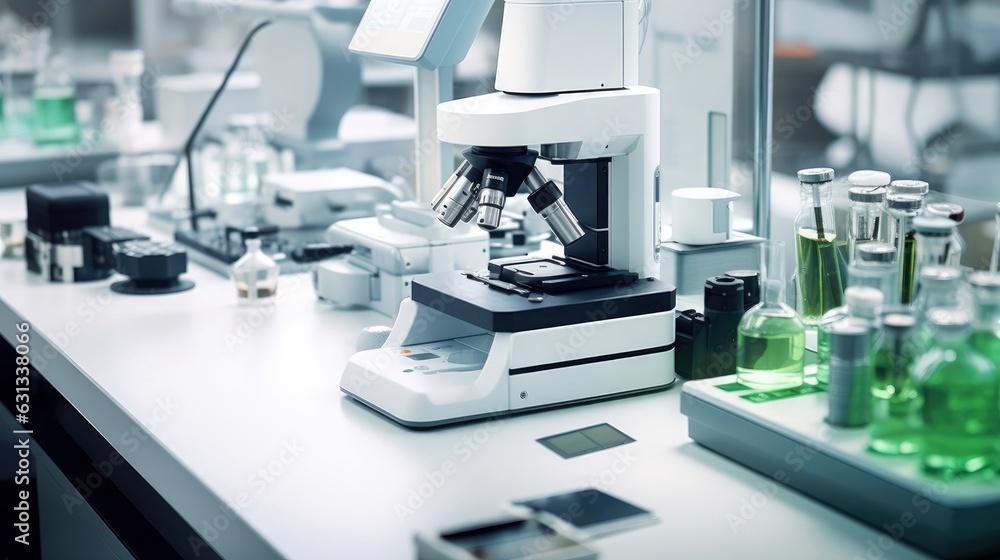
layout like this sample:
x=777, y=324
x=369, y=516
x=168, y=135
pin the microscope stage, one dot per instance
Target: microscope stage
x=495, y=310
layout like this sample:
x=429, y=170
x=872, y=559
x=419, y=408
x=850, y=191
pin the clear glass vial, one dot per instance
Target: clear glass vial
x=861, y=303
x=903, y=208
x=961, y=389
x=771, y=338
x=820, y=269
x=867, y=221
x=955, y=213
x=940, y=286
x=935, y=236
x=896, y=410
x=876, y=267
x=255, y=274
x=127, y=67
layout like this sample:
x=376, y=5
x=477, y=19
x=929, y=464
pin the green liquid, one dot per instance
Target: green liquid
x=1, y=112
x=960, y=413
x=897, y=427
x=770, y=351
x=822, y=357
x=55, y=117
x=820, y=274
x=909, y=267
x=987, y=343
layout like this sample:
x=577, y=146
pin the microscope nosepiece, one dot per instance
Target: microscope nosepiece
x=549, y=203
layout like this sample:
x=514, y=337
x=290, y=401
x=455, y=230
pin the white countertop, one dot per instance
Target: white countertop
x=226, y=392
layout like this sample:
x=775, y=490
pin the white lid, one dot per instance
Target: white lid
x=864, y=297
x=869, y=178
x=127, y=63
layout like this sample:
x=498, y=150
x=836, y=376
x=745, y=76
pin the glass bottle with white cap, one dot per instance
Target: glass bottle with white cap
x=861, y=303
x=867, y=195
x=876, y=267
x=820, y=269
x=960, y=390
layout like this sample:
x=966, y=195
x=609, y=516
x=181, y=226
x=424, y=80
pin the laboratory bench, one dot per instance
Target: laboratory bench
x=231, y=427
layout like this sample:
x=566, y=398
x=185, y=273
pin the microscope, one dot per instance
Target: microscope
x=530, y=332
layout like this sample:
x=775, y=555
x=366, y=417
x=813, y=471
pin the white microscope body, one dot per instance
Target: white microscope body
x=536, y=333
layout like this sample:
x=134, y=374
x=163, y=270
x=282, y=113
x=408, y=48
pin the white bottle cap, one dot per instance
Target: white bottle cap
x=864, y=297
x=127, y=63
x=869, y=178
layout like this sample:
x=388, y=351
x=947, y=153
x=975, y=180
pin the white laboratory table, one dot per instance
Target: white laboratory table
x=225, y=392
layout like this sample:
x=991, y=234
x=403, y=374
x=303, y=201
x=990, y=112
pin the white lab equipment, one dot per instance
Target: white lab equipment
x=531, y=333
x=702, y=216
x=402, y=241
x=318, y=198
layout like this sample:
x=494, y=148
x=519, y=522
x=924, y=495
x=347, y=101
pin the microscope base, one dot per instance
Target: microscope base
x=437, y=369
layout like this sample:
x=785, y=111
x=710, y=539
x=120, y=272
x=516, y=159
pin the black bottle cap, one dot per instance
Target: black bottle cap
x=723, y=293
x=751, y=285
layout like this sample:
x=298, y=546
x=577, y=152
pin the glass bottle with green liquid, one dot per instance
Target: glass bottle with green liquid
x=896, y=429
x=55, y=105
x=903, y=208
x=961, y=392
x=771, y=339
x=821, y=268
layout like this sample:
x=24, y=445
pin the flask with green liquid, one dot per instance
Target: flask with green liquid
x=771, y=339
x=820, y=266
x=55, y=105
x=896, y=429
x=961, y=393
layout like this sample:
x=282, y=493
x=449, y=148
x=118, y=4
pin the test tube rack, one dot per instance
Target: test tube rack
x=787, y=440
